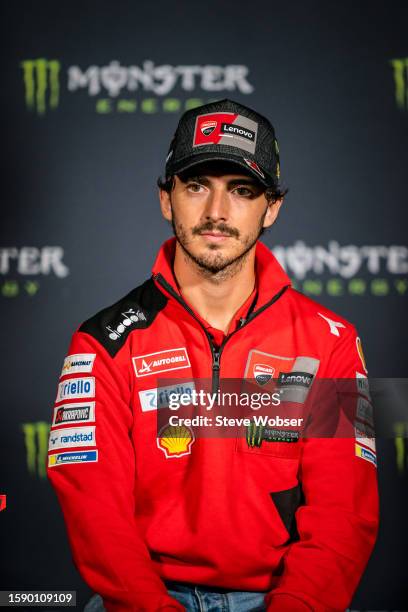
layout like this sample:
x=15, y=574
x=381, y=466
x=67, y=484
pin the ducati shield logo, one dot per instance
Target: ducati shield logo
x=263, y=373
x=208, y=127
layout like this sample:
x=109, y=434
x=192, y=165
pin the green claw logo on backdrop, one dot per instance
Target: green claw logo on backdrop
x=36, y=445
x=42, y=85
x=400, y=72
x=147, y=88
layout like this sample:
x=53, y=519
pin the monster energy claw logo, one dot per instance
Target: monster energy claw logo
x=41, y=82
x=36, y=444
x=254, y=435
x=400, y=67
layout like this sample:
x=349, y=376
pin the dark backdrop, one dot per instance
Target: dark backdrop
x=91, y=95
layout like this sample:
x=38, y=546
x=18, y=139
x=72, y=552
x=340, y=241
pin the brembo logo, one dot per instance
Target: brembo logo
x=162, y=361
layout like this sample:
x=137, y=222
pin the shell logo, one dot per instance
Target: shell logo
x=175, y=441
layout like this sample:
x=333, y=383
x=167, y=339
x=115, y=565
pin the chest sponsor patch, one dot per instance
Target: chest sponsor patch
x=152, y=399
x=161, y=361
x=76, y=388
x=263, y=367
x=74, y=413
x=302, y=379
x=226, y=129
x=287, y=370
x=80, y=363
x=175, y=441
x=71, y=436
x=256, y=434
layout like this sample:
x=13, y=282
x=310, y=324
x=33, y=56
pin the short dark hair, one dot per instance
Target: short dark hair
x=273, y=193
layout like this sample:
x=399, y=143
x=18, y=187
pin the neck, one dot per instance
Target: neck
x=216, y=297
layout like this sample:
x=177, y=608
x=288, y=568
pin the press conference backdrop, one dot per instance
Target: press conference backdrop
x=91, y=95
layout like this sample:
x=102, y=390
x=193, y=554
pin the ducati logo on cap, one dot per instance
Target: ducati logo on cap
x=254, y=166
x=263, y=373
x=208, y=127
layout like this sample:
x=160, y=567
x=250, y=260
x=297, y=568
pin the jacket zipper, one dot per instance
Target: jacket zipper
x=216, y=351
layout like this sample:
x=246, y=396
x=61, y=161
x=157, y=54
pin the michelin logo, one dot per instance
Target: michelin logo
x=76, y=364
x=72, y=436
x=61, y=458
x=76, y=388
x=365, y=453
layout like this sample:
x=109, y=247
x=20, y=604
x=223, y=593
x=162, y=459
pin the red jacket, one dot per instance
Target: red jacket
x=296, y=520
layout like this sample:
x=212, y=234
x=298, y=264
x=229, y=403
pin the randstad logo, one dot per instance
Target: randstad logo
x=74, y=436
x=42, y=84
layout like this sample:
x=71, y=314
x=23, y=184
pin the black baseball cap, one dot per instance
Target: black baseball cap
x=227, y=131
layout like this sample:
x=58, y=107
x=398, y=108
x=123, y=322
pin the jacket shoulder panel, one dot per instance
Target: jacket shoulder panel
x=311, y=308
x=138, y=309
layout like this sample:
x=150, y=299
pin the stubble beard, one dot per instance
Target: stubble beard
x=216, y=268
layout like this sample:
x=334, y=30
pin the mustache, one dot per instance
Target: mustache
x=209, y=226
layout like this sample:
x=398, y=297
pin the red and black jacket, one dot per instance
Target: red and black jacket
x=296, y=520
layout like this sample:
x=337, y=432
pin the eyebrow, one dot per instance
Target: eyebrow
x=204, y=181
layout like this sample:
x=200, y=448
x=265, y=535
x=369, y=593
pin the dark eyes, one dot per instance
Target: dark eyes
x=244, y=192
x=194, y=187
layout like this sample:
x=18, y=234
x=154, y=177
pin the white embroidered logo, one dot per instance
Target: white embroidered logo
x=334, y=325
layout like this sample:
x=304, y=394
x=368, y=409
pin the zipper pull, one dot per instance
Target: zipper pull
x=216, y=358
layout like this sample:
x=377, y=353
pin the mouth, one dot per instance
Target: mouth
x=214, y=236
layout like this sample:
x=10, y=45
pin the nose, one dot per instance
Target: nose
x=217, y=207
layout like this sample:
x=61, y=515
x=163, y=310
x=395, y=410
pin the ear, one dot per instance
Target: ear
x=165, y=204
x=272, y=212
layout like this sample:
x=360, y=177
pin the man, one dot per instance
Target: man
x=159, y=521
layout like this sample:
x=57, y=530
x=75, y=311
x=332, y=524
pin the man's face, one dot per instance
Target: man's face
x=217, y=212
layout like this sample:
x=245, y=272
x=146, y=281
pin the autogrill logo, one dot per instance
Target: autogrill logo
x=44, y=79
x=159, y=362
x=162, y=361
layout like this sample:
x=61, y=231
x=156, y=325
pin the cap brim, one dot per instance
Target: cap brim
x=201, y=158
